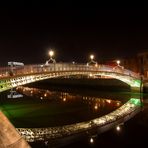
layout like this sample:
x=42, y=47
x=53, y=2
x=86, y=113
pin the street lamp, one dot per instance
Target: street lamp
x=118, y=62
x=91, y=140
x=92, y=57
x=51, y=54
x=92, y=60
x=118, y=128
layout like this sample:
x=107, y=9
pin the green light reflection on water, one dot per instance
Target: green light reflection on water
x=135, y=101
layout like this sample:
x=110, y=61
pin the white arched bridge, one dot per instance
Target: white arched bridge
x=11, y=77
x=14, y=76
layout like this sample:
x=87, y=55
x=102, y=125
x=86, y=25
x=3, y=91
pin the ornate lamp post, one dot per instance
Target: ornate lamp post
x=51, y=59
x=92, y=60
x=118, y=62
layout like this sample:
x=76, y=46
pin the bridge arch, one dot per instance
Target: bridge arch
x=33, y=73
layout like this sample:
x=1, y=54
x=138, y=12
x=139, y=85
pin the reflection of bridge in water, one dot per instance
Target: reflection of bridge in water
x=101, y=124
x=32, y=73
x=67, y=95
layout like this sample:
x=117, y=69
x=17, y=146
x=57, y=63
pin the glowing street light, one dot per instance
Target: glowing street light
x=92, y=61
x=118, y=128
x=91, y=56
x=91, y=140
x=96, y=107
x=118, y=62
x=51, y=54
x=64, y=99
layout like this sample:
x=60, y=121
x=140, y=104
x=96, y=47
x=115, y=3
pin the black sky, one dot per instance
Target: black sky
x=74, y=33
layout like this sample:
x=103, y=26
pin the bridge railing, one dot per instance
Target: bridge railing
x=61, y=67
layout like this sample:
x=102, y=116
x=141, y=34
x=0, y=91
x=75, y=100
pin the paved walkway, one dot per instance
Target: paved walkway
x=9, y=137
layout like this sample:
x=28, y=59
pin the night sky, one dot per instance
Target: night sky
x=26, y=35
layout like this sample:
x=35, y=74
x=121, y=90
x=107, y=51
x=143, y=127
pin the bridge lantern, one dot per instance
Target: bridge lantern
x=92, y=62
x=91, y=140
x=118, y=128
x=51, y=53
x=91, y=56
x=118, y=62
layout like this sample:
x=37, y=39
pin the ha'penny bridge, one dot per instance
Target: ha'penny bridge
x=11, y=77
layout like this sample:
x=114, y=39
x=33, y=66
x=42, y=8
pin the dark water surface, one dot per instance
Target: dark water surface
x=46, y=108
x=60, y=106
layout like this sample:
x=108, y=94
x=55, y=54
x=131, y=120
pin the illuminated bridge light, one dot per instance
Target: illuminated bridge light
x=91, y=140
x=45, y=95
x=118, y=103
x=118, y=128
x=96, y=107
x=108, y=101
x=64, y=99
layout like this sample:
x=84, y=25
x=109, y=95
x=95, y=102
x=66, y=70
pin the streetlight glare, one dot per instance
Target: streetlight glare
x=51, y=59
x=91, y=140
x=118, y=62
x=92, y=62
x=51, y=53
x=91, y=56
x=96, y=107
x=118, y=128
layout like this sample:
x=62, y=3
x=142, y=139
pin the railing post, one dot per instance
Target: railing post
x=141, y=84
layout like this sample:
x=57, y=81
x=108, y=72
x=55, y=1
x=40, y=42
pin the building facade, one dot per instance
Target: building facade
x=143, y=63
x=138, y=64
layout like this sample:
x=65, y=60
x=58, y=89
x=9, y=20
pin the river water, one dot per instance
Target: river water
x=28, y=106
